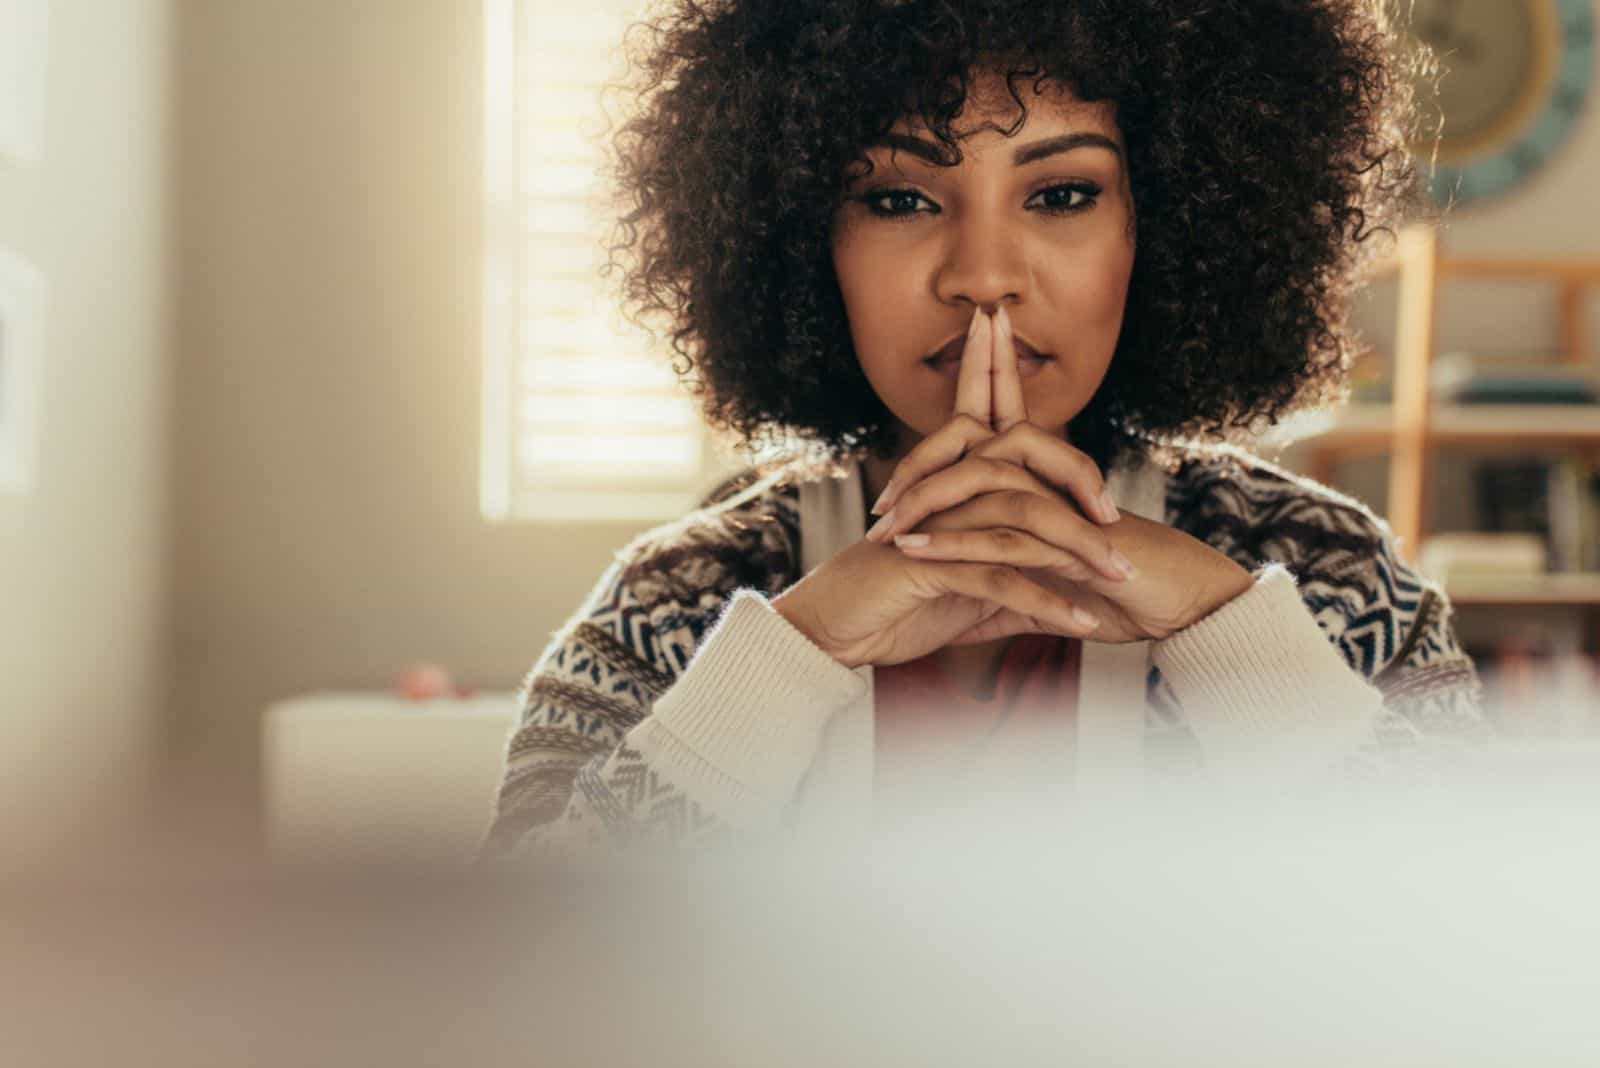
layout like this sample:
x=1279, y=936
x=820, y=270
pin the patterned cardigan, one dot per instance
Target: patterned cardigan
x=571, y=774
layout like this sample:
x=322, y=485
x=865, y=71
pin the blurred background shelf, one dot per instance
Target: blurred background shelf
x=1415, y=422
x=1575, y=588
x=1528, y=427
x=1370, y=428
x=1419, y=419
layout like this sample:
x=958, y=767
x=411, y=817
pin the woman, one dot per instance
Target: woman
x=1006, y=266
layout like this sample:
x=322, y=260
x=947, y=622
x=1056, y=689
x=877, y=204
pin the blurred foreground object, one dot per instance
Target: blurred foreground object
x=1442, y=927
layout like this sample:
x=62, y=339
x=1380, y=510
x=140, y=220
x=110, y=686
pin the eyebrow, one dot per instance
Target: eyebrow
x=1050, y=146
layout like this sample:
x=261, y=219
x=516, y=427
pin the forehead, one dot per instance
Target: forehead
x=1052, y=106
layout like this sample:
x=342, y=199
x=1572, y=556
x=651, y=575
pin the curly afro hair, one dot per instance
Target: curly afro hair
x=1267, y=142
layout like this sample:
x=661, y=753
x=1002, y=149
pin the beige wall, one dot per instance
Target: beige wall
x=326, y=519
x=1552, y=214
x=83, y=578
x=328, y=393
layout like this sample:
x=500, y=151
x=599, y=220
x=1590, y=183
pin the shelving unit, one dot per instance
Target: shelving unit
x=1369, y=428
x=1550, y=589
x=1413, y=426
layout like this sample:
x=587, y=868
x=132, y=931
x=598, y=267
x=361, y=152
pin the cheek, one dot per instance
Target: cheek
x=852, y=267
x=879, y=296
x=857, y=257
x=1095, y=289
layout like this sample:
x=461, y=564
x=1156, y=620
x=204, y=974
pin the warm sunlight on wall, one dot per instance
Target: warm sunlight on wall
x=582, y=418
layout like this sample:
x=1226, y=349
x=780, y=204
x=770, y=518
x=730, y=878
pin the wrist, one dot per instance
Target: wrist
x=1228, y=583
x=792, y=606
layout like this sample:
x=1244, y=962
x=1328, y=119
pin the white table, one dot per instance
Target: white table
x=357, y=777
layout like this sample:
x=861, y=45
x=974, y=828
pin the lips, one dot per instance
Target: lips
x=1027, y=366
x=950, y=354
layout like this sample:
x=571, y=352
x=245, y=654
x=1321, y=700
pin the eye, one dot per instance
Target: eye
x=1060, y=200
x=901, y=204
x=900, y=199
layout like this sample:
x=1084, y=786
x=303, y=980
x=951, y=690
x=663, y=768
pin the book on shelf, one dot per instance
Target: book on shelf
x=1469, y=378
x=1574, y=498
x=1465, y=378
x=1556, y=499
x=1467, y=554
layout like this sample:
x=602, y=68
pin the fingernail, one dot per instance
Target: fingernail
x=1108, y=507
x=877, y=506
x=1124, y=565
x=1084, y=619
x=880, y=526
x=911, y=541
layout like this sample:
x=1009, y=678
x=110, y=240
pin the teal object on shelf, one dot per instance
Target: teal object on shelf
x=1526, y=391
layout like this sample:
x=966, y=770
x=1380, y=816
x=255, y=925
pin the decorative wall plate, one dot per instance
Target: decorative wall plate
x=1515, y=78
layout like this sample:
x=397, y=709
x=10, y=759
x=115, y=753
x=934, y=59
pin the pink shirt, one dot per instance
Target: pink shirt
x=928, y=731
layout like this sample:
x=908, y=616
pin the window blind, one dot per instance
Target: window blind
x=582, y=418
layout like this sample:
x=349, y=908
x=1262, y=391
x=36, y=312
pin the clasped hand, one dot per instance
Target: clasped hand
x=989, y=486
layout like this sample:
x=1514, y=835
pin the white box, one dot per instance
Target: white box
x=361, y=777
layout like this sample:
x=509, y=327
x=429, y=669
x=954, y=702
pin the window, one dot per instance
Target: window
x=582, y=418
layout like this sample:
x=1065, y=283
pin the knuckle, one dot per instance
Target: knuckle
x=999, y=579
x=1007, y=540
x=997, y=469
x=1019, y=507
x=914, y=459
x=909, y=498
x=1088, y=471
x=973, y=428
x=1075, y=568
x=1092, y=553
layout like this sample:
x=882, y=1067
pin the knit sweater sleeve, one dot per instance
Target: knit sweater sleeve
x=618, y=745
x=1270, y=696
x=1339, y=664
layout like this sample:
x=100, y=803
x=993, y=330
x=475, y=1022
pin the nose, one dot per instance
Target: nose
x=982, y=265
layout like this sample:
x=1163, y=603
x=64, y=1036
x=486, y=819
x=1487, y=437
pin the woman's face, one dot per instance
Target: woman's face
x=1040, y=224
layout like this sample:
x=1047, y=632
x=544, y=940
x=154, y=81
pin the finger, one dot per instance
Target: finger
x=972, y=387
x=951, y=486
x=1009, y=407
x=1057, y=464
x=933, y=453
x=1000, y=545
x=1007, y=587
x=1049, y=519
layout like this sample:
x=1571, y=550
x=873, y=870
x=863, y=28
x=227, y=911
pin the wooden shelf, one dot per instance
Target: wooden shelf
x=1416, y=424
x=1371, y=427
x=1569, y=588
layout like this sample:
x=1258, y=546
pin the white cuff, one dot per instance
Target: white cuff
x=744, y=719
x=1264, y=690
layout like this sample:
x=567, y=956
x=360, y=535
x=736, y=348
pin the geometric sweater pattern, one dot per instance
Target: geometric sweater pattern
x=571, y=777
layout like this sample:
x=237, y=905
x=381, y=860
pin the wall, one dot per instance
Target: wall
x=84, y=572
x=327, y=517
